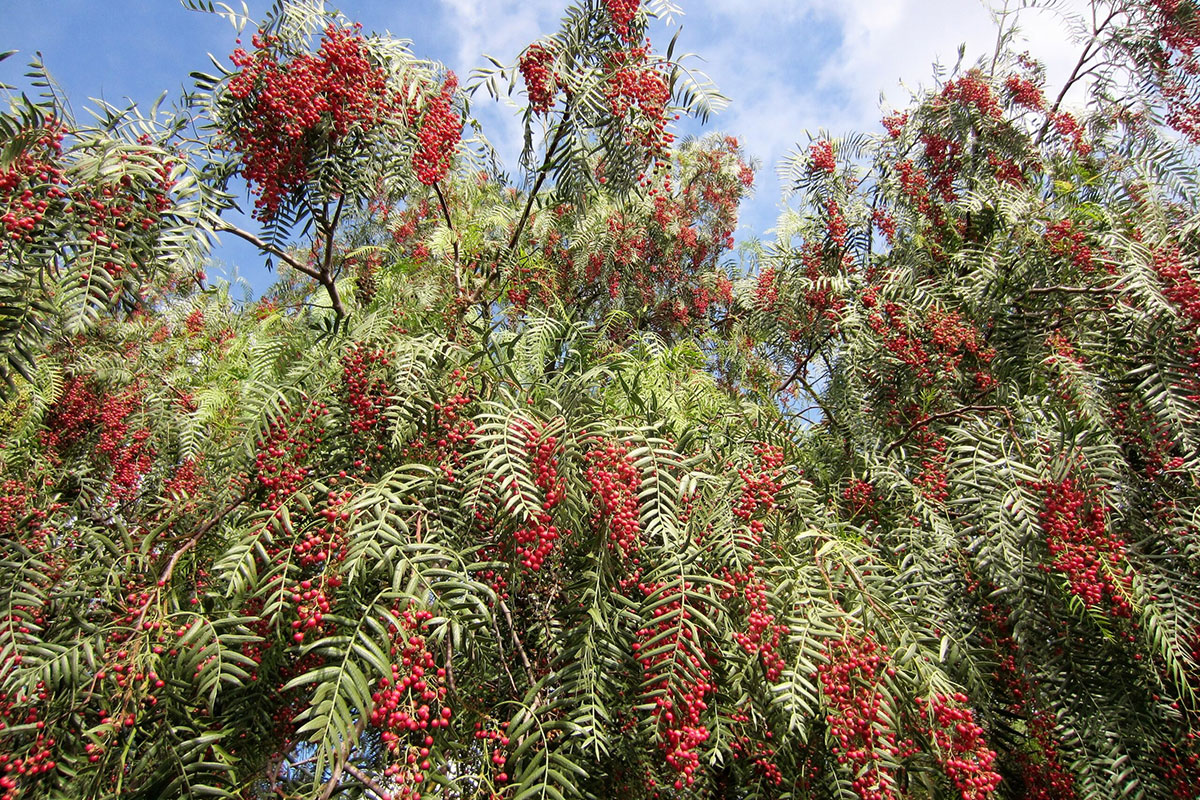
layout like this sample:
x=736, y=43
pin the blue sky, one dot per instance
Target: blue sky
x=789, y=68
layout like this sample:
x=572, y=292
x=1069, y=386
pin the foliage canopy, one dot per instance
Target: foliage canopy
x=530, y=490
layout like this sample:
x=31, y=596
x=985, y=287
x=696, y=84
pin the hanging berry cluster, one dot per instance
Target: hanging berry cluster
x=289, y=110
x=439, y=129
x=1075, y=525
x=541, y=82
x=410, y=707
x=281, y=455
x=638, y=95
x=762, y=481
x=762, y=635
x=365, y=396
x=675, y=670
x=622, y=13
x=125, y=450
x=821, y=158
x=959, y=745
x=857, y=717
x=535, y=538
x=442, y=442
x=615, y=482
x=31, y=184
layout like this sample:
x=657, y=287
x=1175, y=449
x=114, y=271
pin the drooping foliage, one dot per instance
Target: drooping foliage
x=537, y=491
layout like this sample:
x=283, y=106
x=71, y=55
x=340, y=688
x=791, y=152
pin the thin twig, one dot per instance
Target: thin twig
x=924, y=421
x=367, y=781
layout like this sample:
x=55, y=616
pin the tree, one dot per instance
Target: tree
x=532, y=491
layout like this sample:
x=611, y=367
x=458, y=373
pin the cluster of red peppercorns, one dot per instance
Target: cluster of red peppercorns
x=972, y=89
x=1024, y=92
x=622, y=13
x=616, y=482
x=858, y=734
x=535, y=539
x=914, y=185
x=1043, y=772
x=960, y=746
x=821, y=158
x=1067, y=239
x=281, y=454
x=859, y=497
x=129, y=454
x=19, y=772
x=1176, y=37
x=942, y=155
x=326, y=543
x=442, y=443
x=762, y=480
x=438, y=132
x=540, y=81
x=411, y=705
x=1180, y=766
x=1179, y=284
x=766, y=289
x=363, y=389
x=760, y=754
x=638, y=94
x=1005, y=170
x=311, y=605
x=836, y=227
x=932, y=481
x=185, y=485
x=1075, y=525
x=292, y=109
x=935, y=350
x=1068, y=127
x=498, y=741
x=679, y=713
x=762, y=634
x=31, y=184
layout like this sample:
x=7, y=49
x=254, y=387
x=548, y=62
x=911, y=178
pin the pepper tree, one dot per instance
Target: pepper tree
x=532, y=489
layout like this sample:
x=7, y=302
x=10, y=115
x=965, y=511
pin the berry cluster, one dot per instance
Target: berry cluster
x=438, y=133
x=622, y=13
x=311, y=605
x=363, y=389
x=286, y=112
x=850, y=677
x=281, y=454
x=1076, y=528
x=129, y=454
x=674, y=657
x=1068, y=240
x=859, y=497
x=762, y=481
x=31, y=184
x=763, y=634
x=959, y=746
x=1043, y=771
x=411, y=705
x=540, y=82
x=499, y=741
x=821, y=158
x=972, y=89
x=442, y=443
x=535, y=539
x=1024, y=92
x=1179, y=284
x=615, y=482
x=638, y=95
x=1068, y=127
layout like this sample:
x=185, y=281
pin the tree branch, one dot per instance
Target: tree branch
x=921, y=423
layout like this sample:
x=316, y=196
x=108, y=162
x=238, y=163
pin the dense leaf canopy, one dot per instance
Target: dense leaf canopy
x=530, y=488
